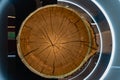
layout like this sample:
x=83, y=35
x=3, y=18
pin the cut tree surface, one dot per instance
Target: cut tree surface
x=55, y=41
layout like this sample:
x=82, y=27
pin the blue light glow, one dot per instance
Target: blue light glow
x=117, y=67
x=2, y=4
x=1, y=77
x=113, y=38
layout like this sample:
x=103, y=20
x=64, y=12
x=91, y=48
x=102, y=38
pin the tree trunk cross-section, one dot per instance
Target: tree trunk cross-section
x=54, y=41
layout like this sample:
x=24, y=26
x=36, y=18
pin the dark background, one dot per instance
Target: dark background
x=12, y=68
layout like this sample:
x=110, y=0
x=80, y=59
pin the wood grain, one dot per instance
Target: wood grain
x=55, y=41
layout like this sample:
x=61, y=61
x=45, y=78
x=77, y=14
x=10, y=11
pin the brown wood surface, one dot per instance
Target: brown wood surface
x=55, y=41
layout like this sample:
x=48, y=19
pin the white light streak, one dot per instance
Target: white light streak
x=11, y=26
x=113, y=37
x=93, y=24
x=97, y=28
x=11, y=56
x=11, y=17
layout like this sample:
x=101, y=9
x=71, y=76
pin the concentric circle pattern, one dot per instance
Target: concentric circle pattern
x=55, y=41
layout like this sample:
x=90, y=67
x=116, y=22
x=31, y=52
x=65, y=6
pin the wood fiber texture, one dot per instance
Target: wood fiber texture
x=55, y=41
